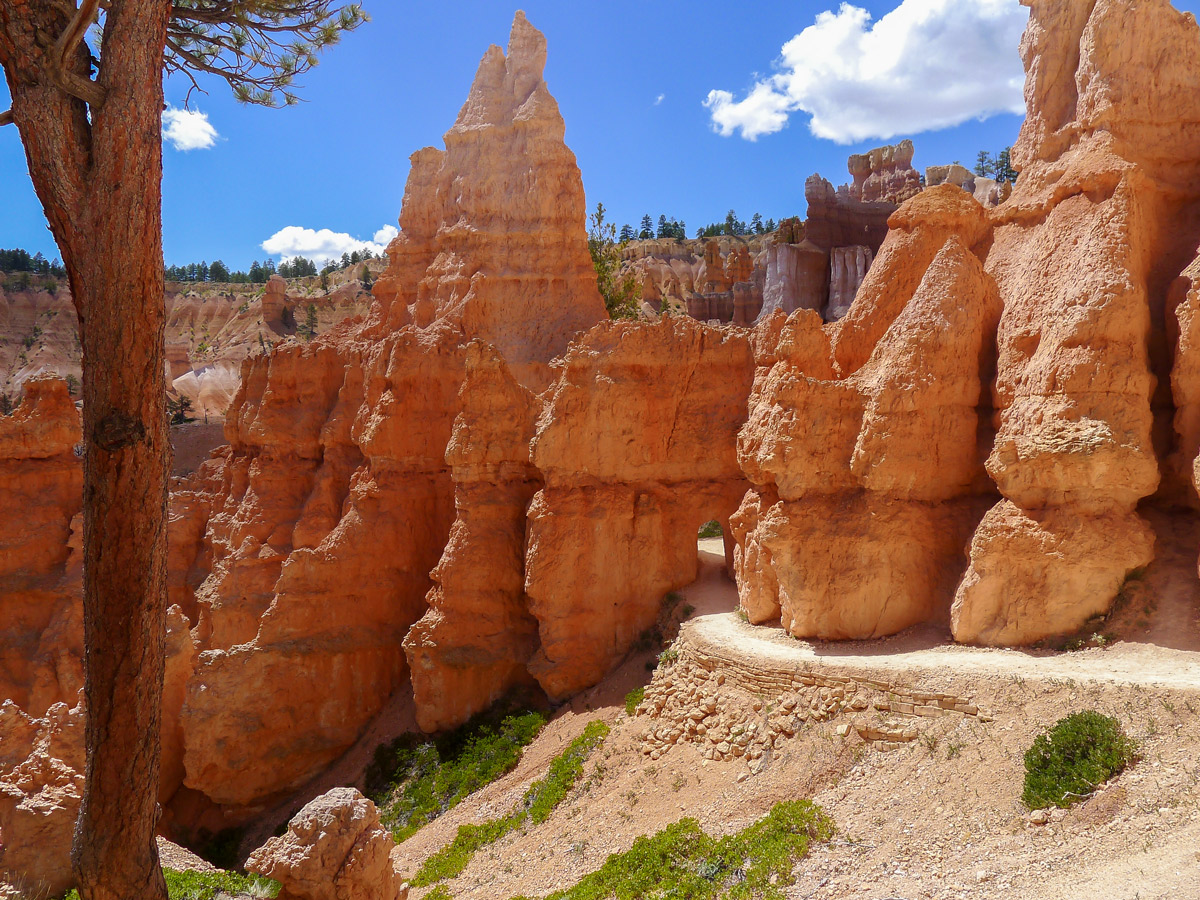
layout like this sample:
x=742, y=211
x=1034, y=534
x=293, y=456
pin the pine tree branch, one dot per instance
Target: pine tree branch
x=66, y=45
x=6, y=118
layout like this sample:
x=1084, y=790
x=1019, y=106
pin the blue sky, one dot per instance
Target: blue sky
x=632, y=78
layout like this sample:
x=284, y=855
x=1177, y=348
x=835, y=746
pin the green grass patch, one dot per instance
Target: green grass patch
x=710, y=530
x=683, y=861
x=535, y=807
x=415, y=780
x=207, y=885
x=1073, y=758
x=633, y=699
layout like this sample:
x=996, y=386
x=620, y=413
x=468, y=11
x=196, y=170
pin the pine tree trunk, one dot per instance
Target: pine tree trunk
x=125, y=495
x=99, y=179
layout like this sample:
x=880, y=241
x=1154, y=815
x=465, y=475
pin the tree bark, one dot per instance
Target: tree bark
x=100, y=183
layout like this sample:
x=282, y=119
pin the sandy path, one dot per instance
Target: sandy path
x=1165, y=653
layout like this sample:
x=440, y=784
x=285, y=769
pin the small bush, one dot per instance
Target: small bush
x=710, y=530
x=1073, y=758
x=208, y=885
x=633, y=699
x=413, y=782
x=537, y=804
x=683, y=861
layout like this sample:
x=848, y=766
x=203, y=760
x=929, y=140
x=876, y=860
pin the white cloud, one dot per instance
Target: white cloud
x=928, y=64
x=659, y=99
x=187, y=129
x=324, y=245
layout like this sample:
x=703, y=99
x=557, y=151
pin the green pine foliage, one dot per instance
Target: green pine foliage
x=21, y=261
x=1072, y=759
x=619, y=291
x=998, y=167
x=710, y=530
x=683, y=861
x=413, y=782
x=535, y=807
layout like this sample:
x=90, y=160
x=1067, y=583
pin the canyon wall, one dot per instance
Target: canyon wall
x=210, y=329
x=1067, y=299
x=482, y=486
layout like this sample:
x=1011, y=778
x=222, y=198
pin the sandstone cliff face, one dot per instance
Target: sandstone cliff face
x=397, y=504
x=41, y=783
x=636, y=446
x=210, y=329
x=40, y=563
x=519, y=276
x=1098, y=226
x=863, y=484
x=472, y=646
x=884, y=174
x=335, y=500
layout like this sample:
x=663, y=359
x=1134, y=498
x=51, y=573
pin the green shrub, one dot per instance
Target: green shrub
x=683, y=861
x=413, y=782
x=539, y=801
x=710, y=530
x=207, y=885
x=1073, y=758
x=633, y=699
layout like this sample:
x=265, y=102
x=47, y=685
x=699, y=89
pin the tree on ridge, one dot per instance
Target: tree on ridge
x=94, y=151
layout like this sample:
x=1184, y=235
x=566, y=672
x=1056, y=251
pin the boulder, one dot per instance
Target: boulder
x=333, y=849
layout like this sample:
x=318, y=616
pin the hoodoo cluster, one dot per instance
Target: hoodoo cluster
x=482, y=484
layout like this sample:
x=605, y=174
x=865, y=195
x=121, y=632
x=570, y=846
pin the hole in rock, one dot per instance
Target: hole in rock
x=714, y=589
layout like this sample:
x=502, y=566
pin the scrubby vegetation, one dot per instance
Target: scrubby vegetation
x=620, y=292
x=710, y=530
x=208, y=885
x=534, y=808
x=1075, y=757
x=683, y=861
x=634, y=699
x=414, y=781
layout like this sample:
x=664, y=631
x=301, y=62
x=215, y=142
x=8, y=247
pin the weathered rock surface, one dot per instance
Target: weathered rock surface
x=336, y=487
x=796, y=277
x=334, y=849
x=210, y=329
x=637, y=448
x=885, y=173
x=1100, y=223
x=41, y=783
x=847, y=268
x=835, y=219
x=519, y=276
x=862, y=485
x=989, y=192
x=472, y=646
x=40, y=565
